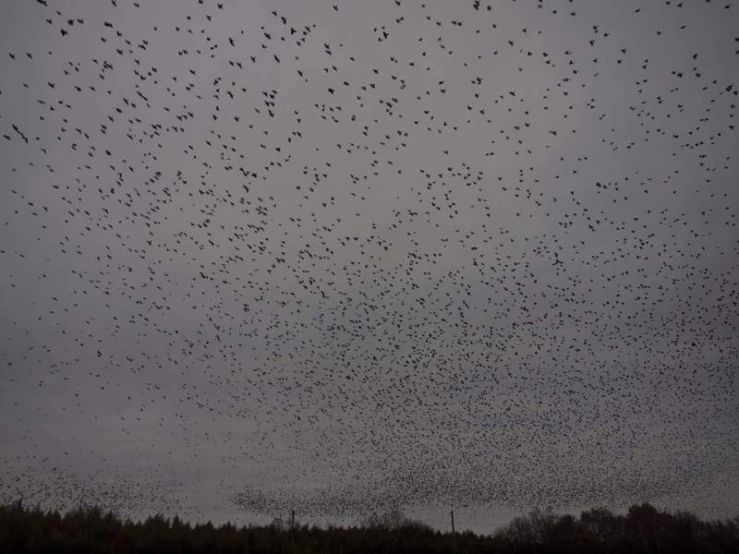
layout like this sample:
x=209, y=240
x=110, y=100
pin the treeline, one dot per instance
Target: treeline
x=643, y=529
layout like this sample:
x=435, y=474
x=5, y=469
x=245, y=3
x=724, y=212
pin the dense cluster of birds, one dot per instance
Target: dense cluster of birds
x=330, y=256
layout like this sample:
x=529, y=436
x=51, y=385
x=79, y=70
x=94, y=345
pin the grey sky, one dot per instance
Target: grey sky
x=369, y=254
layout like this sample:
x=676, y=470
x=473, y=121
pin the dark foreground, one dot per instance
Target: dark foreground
x=643, y=529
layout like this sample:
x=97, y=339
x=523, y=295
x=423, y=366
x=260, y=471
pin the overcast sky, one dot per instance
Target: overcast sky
x=337, y=256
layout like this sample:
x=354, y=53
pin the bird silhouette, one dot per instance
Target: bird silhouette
x=336, y=260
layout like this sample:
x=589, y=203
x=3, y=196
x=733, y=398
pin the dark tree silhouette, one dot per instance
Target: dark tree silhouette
x=644, y=529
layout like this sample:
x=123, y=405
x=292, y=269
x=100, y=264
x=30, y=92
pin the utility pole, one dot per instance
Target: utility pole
x=454, y=539
x=292, y=521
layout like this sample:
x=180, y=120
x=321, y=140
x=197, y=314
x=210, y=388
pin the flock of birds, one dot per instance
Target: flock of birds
x=337, y=256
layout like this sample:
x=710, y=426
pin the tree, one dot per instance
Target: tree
x=278, y=524
x=538, y=527
x=393, y=520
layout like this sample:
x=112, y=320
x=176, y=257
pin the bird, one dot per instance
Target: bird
x=484, y=256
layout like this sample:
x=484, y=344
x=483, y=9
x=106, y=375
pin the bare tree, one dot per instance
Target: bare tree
x=392, y=520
